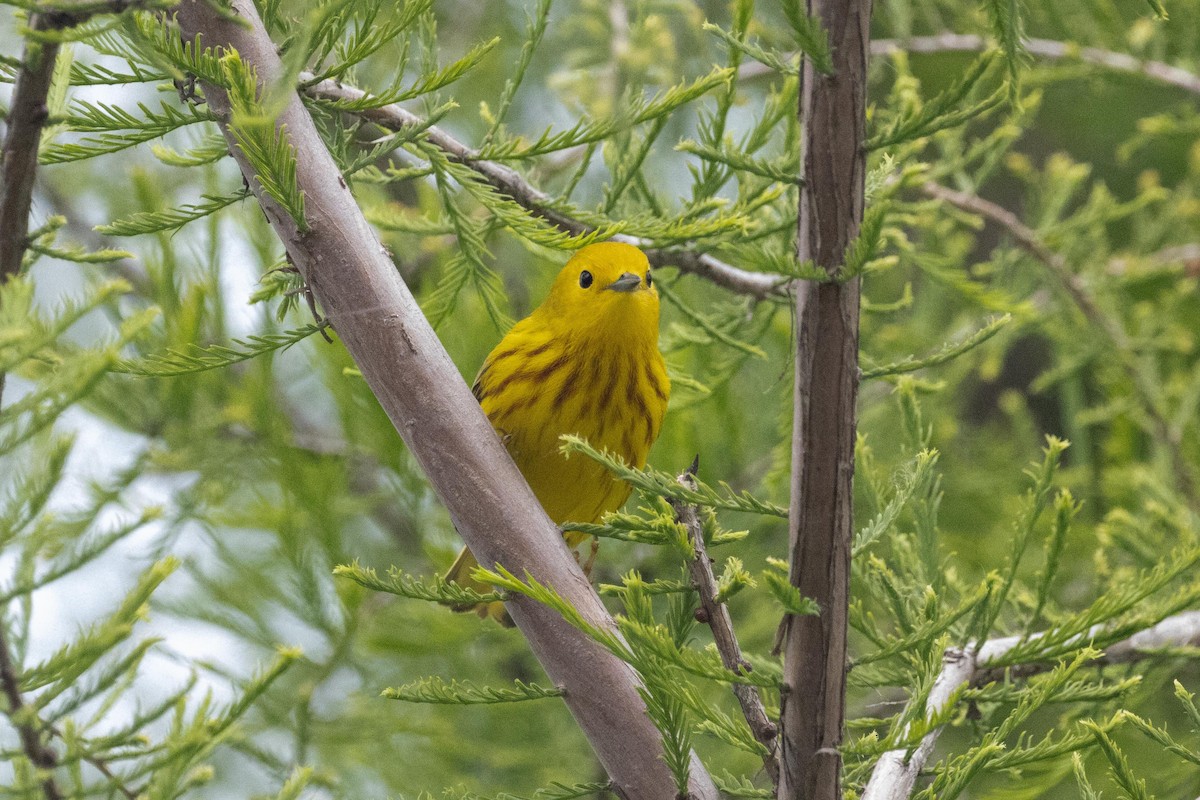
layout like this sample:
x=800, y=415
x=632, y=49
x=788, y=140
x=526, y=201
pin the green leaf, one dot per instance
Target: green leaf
x=788, y=595
x=783, y=63
x=635, y=113
x=201, y=359
x=296, y=783
x=708, y=325
x=425, y=85
x=660, y=483
x=1121, y=772
x=368, y=35
x=947, y=353
x=414, y=588
x=733, y=579
x=655, y=640
x=173, y=219
x=436, y=690
x=737, y=786
x=265, y=145
x=861, y=252
x=948, y=109
x=1004, y=18
x=811, y=38
x=119, y=129
x=1158, y=8
x=71, y=661
x=784, y=169
x=912, y=479
x=79, y=255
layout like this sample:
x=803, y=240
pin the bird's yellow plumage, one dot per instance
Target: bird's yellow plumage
x=585, y=362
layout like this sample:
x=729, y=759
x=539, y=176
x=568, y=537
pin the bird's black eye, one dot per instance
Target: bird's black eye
x=649, y=280
x=585, y=279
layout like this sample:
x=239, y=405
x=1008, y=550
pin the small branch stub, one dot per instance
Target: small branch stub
x=715, y=614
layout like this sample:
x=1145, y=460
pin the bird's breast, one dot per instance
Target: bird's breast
x=614, y=398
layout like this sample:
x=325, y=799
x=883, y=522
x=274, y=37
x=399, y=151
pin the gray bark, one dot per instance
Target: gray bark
x=821, y=515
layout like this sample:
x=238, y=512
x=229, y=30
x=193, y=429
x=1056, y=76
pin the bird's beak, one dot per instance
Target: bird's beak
x=626, y=283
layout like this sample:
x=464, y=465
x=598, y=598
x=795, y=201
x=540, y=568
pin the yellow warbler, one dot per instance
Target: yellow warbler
x=586, y=362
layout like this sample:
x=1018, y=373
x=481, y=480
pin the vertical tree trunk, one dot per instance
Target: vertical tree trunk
x=832, y=109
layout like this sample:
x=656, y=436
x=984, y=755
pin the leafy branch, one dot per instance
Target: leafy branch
x=1074, y=288
x=399, y=583
x=201, y=359
x=511, y=183
x=436, y=690
x=663, y=484
x=947, y=353
x=716, y=616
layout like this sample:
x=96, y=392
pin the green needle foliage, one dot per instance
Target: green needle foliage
x=434, y=690
x=200, y=359
x=184, y=466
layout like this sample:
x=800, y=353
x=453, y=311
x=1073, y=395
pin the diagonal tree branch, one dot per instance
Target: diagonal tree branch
x=821, y=513
x=716, y=616
x=393, y=117
x=896, y=771
x=1144, y=384
x=427, y=400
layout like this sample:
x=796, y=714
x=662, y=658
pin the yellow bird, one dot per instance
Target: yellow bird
x=585, y=362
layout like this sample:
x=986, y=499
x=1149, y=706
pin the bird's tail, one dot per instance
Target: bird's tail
x=460, y=573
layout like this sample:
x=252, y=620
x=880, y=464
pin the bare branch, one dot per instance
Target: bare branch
x=40, y=754
x=26, y=118
x=1050, y=50
x=427, y=400
x=1074, y=288
x=897, y=770
x=716, y=615
x=1042, y=48
x=821, y=514
x=394, y=118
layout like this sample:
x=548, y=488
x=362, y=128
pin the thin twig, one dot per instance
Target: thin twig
x=26, y=118
x=115, y=780
x=42, y=757
x=897, y=770
x=393, y=117
x=716, y=615
x=1144, y=385
x=1048, y=49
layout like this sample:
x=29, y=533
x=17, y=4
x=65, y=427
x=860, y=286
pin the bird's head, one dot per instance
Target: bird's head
x=607, y=289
